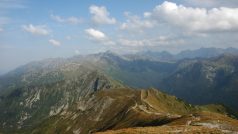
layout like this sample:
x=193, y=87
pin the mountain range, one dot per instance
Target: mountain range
x=186, y=54
x=123, y=94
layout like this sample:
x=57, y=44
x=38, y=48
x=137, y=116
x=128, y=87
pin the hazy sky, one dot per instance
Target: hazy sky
x=38, y=29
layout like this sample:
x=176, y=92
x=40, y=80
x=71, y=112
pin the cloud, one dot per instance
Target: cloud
x=1, y=29
x=136, y=23
x=197, y=19
x=70, y=20
x=101, y=15
x=54, y=42
x=132, y=43
x=147, y=14
x=98, y=36
x=36, y=30
x=95, y=34
x=150, y=42
x=212, y=3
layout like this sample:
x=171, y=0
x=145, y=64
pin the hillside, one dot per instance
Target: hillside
x=204, y=81
x=97, y=93
x=118, y=67
x=124, y=108
x=31, y=100
x=198, y=81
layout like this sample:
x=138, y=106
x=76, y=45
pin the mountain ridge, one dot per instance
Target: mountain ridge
x=139, y=111
x=186, y=54
x=98, y=93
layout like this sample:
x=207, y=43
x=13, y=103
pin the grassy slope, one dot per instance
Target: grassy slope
x=123, y=108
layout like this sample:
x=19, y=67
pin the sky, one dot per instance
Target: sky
x=37, y=29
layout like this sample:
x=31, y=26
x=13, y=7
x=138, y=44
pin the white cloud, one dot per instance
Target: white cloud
x=54, y=42
x=101, y=15
x=1, y=29
x=212, y=3
x=150, y=42
x=147, y=14
x=70, y=20
x=135, y=23
x=37, y=30
x=98, y=36
x=197, y=19
x=95, y=34
x=132, y=43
